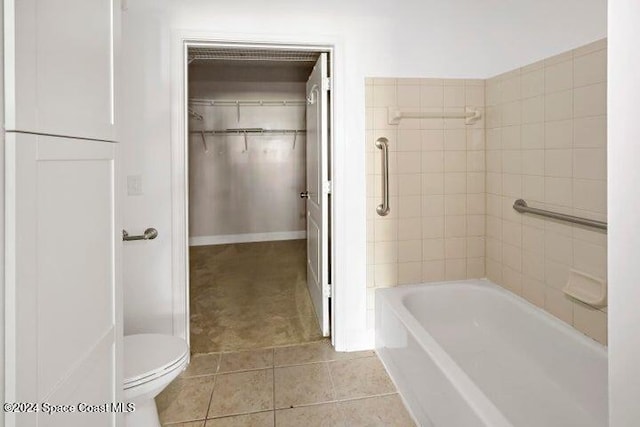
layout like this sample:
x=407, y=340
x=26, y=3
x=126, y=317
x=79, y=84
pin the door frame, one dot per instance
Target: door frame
x=181, y=41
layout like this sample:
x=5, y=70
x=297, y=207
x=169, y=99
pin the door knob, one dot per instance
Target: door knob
x=304, y=195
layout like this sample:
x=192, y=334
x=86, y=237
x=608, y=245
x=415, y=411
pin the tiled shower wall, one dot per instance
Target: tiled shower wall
x=436, y=227
x=546, y=143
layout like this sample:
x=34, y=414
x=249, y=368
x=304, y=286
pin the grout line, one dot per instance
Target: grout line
x=273, y=380
x=211, y=398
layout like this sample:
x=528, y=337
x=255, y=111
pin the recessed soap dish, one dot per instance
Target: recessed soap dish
x=586, y=288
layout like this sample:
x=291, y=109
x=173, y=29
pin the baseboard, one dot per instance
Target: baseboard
x=246, y=238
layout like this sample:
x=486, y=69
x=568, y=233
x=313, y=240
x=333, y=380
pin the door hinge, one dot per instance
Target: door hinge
x=327, y=290
x=326, y=83
x=328, y=187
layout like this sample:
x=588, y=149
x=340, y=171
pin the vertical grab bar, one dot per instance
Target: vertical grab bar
x=383, y=144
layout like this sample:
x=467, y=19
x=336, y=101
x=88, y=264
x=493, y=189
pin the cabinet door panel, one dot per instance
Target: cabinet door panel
x=63, y=299
x=59, y=67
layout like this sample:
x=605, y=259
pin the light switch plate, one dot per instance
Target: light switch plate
x=134, y=185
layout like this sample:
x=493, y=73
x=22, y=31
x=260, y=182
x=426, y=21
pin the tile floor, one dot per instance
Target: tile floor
x=302, y=385
x=250, y=295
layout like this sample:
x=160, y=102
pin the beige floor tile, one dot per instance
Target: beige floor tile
x=360, y=378
x=302, y=385
x=260, y=419
x=202, y=364
x=245, y=360
x=185, y=399
x=242, y=392
x=298, y=354
x=313, y=352
x=189, y=424
x=376, y=411
x=325, y=415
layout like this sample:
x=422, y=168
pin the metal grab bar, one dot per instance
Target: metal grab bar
x=149, y=234
x=522, y=207
x=383, y=144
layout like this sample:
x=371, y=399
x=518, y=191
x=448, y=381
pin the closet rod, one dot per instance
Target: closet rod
x=250, y=131
x=257, y=103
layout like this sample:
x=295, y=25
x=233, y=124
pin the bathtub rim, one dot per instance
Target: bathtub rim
x=481, y=405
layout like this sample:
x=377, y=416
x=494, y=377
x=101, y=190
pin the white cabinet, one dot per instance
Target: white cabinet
x=59, y=67
x=62, y=286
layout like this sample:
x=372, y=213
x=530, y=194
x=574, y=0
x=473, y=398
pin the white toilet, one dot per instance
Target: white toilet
x=151, y=362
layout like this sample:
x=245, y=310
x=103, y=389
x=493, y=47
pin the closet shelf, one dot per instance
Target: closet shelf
x=255, y=103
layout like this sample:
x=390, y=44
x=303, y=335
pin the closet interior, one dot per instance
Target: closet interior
x=247, y=165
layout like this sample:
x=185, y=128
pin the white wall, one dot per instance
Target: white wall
x=624, y=205
x=238, y=193
x=434, y=38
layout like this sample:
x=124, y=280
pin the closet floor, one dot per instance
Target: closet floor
x=250, y=295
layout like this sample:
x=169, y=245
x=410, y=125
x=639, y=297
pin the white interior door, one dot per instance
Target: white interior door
x=318, y=189
x=62, y=317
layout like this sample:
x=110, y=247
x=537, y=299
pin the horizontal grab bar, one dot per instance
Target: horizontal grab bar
x=149, y=234
x=522, y=207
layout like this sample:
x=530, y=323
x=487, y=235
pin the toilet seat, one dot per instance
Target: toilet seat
x=149, y=356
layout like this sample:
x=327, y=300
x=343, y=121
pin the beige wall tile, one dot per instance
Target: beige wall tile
x=558, y=163
x=432, y=161
x=409, y=228
x=475, y=182
x=409, y=273
x=532, y=83
x=433, y=227
x=475, y=268
x=589, y=69
x=590, y=132
x=432, y=183
x=558, y=304
x=409, y=140
x=410, y=251
x=475, y=247
x=533, y=110
x=533, y=291
x=590, y=163
x=433, y=249
x=433, y=271
x=558, y=77
x=431, y=96
x=591, y=47
x=455, y=161
x=559, y=134
x=533, y=135
x=558, y=106
x=455, y=269
x=590, y=321
x=533, y=162
x=590, y=195
x=558, y=191
x=590, y=100
x=432, y=140
x=408, y=96
x=432, y=205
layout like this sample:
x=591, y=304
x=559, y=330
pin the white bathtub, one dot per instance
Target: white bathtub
x=472, y=354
